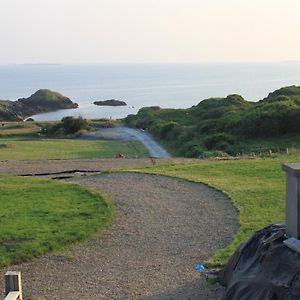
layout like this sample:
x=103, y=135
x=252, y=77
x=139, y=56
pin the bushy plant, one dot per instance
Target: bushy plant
x=166, y=129
x=219, y=141
x=271, y=118
x=67, y=126
x=192, y=149
x=72, y=125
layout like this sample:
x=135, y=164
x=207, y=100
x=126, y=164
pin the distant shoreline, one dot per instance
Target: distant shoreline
x=165, y=85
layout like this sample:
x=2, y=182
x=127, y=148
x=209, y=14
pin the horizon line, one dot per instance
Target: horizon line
x=151, y=63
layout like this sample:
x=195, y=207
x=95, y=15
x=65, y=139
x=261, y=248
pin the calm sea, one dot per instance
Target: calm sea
x=139, y=85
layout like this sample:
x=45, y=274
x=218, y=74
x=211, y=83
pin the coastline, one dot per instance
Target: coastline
x=142, y=85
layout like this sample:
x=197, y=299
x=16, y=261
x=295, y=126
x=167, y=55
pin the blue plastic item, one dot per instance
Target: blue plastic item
x=199, y=267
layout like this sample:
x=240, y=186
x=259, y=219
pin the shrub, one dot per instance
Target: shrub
x=271, y=118
x=68, y=125
x=219, y=141
x=208, y=154
x=73, y=125
x=166, y=129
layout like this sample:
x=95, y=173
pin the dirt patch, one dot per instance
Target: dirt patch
x=6, y=146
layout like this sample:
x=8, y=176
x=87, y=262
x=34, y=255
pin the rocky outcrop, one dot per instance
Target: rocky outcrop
x=40, y=102
x=111, y=102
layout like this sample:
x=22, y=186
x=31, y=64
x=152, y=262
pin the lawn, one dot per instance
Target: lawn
x=255, y=187
x=39, y=149
x=18, y=128
x=22, y=141
x=39, y=215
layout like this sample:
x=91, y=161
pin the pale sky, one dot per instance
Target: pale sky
x=148, y=31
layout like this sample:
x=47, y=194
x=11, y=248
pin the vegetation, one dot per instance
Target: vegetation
x=24, y=141
x=255, y=187
x=13, y=129
x=226, y=126
x=67, y=149
x=39, y=215
x=112, y=102
x=41, y=101
x=67, y=126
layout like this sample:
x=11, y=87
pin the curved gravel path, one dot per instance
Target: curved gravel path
x=163, y=228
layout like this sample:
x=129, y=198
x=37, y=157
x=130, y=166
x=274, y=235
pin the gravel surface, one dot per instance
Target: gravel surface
x=23, y=167
x=163, y=228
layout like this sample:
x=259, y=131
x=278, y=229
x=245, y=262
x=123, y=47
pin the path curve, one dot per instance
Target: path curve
x=129, y=134
x=163, y=228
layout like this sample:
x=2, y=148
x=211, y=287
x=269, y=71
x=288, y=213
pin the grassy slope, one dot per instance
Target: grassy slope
x=67, y=149
x=221, y=126
x=256, y=188
x=39, y=215
x=19, y=141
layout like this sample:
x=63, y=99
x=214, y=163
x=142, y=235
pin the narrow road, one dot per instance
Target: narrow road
x=162, y=229
x=129, y=134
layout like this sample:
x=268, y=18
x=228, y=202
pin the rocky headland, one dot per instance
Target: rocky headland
x=42, y=101
x=112, y=102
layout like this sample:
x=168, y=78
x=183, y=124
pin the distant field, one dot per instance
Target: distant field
x=39, y=215
x=18, y=128
x=20, y=141
x=255, y=187
x=16, y=149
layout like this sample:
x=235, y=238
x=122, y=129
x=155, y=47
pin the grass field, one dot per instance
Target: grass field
x=20, y=141
x=255, y=187
x=17, y=149
x=39, y=215
x=18, y=128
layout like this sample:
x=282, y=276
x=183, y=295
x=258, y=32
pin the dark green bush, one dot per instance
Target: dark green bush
x=73, y=125
x=192, y=149
x=271, y=118
x=67, y=126
x=166, y=129
x=219, y=141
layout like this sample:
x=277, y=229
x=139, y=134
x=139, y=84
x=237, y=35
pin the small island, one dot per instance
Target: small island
x=111, y=102
x=42, y=101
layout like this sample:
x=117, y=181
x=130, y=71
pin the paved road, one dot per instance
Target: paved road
x=129, y=134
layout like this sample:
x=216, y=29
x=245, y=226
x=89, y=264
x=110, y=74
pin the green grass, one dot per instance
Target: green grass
x=255, y=187
x=17, y=149
x=21, y=141
x=39, y=215
x=18, y=128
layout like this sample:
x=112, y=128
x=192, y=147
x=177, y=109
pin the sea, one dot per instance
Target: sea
x=142, y=85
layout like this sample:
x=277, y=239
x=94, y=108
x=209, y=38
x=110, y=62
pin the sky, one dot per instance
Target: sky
x=148, y=31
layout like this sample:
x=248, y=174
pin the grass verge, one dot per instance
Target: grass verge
x=40, y=215
x=255, y=187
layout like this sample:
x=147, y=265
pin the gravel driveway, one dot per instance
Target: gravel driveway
x=163, y=228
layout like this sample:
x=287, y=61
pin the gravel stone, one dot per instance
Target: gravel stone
x=163, y=227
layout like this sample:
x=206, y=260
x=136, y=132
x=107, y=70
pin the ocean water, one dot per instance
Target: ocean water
x=140, y=85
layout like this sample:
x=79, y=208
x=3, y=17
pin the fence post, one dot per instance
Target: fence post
x=292, y=203
x=13, y=283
